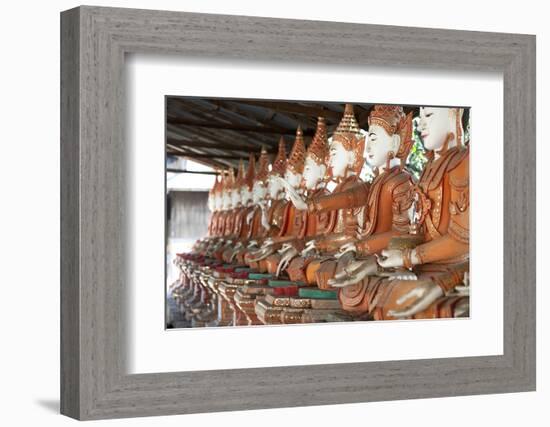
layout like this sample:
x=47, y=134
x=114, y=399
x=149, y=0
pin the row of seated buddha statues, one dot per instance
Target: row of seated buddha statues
x=283, y=248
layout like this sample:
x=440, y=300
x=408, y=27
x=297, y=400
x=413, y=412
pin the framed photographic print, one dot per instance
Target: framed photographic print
x=304, y=212
x=309, y=237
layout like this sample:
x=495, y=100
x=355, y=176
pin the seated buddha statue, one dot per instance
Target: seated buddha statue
x=345, y=162
x=217, y=220
x=293, y=223
x=268, y=219
x=386, y=212
x=241, y=230
x=213, y=206
x=438, y=265
x=313, y=185
x=253, y=195
x=230, y=205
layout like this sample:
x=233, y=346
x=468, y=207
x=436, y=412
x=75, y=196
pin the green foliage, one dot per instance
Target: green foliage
x=417, y=158
x=467, y=132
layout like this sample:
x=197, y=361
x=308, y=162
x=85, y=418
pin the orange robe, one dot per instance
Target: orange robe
x=300, y=226
x=443, y=192
x=340, y=203
x=385, y=215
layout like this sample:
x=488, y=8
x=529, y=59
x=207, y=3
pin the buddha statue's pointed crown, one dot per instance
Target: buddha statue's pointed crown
x=348, y=133
x=263, y=166
x=250, y=172
x=387, y=116
x=297, y=156
x=229, y=179
x=280, y=163
x=318, y=150
x=348, y=130
x=221, y=185
x=239, y=181
x=216, y=187
x=394, y=121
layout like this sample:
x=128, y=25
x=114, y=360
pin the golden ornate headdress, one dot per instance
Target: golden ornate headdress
x=249, y=177
x=348, y=132
x=393, y=120
x=222, y=181
x=318, y=150
x=386, y=116
x=216, y=187
x=406, y=137
x=239, y=181
x=280, y=163
x=263, y=166
x=229, y=180
x=297, y=156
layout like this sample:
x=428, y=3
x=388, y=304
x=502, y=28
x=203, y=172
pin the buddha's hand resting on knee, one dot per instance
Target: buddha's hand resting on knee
x=354, y=272
x=286, y=257
x=348, y=247
x=418, y=299
x=309, y=248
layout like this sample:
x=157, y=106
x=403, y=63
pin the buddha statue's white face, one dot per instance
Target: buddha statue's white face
x=435, y=124
x=274, y=187
x=313, y=173
x=339, y=159
x=217, y=201
x=246, y=195
x=235, y=197
x=258, y=192
x=226, y=200
x=293, y=178
x=211, y=203
x=379, y=145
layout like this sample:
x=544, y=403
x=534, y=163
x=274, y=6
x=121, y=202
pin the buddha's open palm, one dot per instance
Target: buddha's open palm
x=348, y=247
x=296, y=198
x=418, y=299
x=309, y=248
x=391, y=258
x=354, y=272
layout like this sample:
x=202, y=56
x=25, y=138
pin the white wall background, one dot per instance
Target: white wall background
x=29, y=213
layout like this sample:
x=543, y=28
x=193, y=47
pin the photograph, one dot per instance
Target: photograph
x=286, y=212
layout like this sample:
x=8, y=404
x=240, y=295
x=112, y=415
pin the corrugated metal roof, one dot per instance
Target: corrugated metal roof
x=220, y=131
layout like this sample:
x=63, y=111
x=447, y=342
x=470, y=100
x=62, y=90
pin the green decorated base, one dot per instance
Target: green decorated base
x=284, y=283
x=317, y=293
x=260, y=276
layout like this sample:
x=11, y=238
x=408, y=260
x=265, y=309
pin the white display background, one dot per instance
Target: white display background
x=29, y=218
x=150, y=78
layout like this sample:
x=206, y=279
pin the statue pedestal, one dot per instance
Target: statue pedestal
x=292, y=302
x=245, y=299
x=267, y=313
x=227, y=291
x=228, y=287
x=224, y=312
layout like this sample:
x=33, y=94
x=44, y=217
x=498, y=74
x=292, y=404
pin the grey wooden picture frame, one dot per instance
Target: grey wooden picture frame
x=94, y=381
